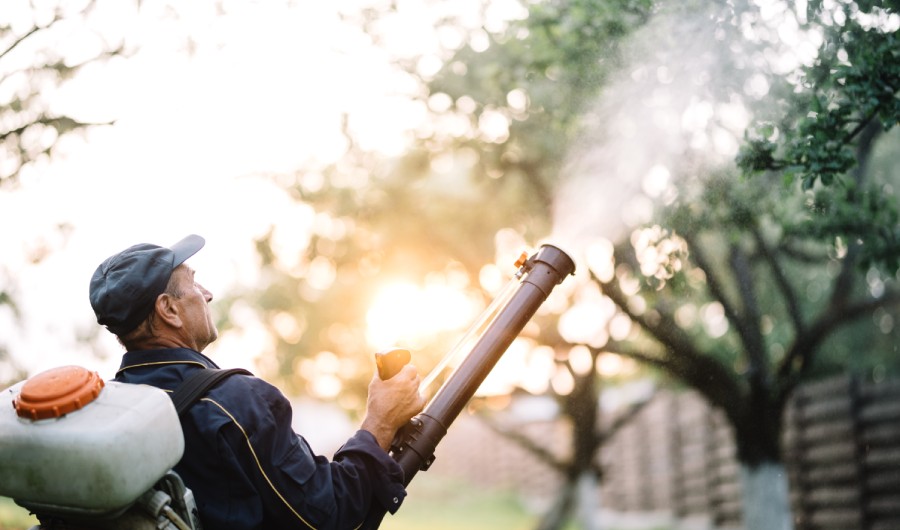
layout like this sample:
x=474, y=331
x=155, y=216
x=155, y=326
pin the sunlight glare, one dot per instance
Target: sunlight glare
x=599, y=256
x=528, y=366
x=609, y=364
x=288, y=328
x=562, y=382
x=713, y=318
x=580, y=359
x=321, y=373
x=508, y=372
x=585, y=322
x=405, y=314
x=536, y=377
x=492, y=278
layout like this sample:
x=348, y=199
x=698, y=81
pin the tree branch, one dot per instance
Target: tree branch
x=60, y=123
x=790, y=296
x=707, y=375
x=797, y=361
x=536, y=449
x=713, y=284
x=748, y=327
x=625, y=418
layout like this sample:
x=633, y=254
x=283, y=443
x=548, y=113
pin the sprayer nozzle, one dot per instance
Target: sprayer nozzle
x=523, y=257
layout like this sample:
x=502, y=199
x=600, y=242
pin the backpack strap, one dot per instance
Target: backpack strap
x=196, y=385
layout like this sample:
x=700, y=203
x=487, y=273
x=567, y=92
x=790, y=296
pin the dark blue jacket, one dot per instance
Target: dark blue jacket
x=246, y=466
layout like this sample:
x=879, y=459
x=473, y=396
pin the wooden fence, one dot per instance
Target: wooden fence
x=842, y=446
x=677, y=457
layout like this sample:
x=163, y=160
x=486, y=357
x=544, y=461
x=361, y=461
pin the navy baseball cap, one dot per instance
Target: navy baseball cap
x=125, y=286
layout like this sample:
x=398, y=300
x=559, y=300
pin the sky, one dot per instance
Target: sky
x=219, y=100
x=195, y=139
x=217, y=103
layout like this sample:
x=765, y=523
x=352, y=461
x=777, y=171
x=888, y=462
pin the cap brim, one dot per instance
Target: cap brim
x=186, y=248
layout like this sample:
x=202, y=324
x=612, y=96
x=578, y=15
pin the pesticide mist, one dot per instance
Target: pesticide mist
x=691, y=82
x=677, y=109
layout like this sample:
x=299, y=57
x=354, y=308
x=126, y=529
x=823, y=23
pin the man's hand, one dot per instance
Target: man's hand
x=392, y=403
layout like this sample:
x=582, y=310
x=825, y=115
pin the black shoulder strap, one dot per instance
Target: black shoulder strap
x=196, y=385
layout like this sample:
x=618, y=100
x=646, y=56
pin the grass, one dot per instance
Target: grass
x=435, y=503
x=14, y=517
x=439, y=504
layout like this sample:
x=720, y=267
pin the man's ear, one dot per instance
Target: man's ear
x=167, y=310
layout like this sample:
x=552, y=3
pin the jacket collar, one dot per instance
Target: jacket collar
x=142, y=358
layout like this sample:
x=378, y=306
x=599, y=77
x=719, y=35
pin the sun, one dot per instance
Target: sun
x=406, y=314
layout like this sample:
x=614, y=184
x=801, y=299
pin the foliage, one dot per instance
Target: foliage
x=33, y=65
x=715, y=321
x=36, y=61
x=734, y=288
x=840, y=102
x=504, y=114
x=14, y=517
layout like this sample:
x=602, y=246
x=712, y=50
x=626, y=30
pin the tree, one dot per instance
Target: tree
x=723, y=305
x=738, y=309
x=504, y=108
x=780, y=273
x=723, y=244
x=33, y=67
x=35, y=62
x=835, y=115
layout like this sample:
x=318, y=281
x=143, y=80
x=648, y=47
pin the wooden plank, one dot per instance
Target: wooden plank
x=889, y=391
x=881, y=480
x=881, y=411
x=838, y=406
x=833, y=497
x=838, y=519
x=836, y=452
x=883, y=506
x=884, y=458
x=825, y=432
x=886, y=524
x=882, y=434
x=817, y=389
x=831, y=474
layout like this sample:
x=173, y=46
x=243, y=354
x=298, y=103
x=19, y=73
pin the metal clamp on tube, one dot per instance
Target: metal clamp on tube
x=414, y=446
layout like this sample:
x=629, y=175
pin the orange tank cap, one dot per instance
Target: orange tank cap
x=57, y=392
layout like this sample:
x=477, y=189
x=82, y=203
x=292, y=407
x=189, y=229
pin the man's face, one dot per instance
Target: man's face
x=193, y=300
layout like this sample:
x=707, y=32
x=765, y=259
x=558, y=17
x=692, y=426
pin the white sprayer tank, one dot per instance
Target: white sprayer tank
x=70, y=443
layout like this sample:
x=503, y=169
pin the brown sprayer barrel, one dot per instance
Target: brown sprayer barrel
x=414, y=446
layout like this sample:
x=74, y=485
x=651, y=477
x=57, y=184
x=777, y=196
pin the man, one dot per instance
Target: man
x=242, y=460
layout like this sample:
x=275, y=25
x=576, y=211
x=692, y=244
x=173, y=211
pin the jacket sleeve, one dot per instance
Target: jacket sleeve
x=298, y=488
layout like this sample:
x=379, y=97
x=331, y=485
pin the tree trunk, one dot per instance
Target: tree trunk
x=587, y=501
x=556, y=517
x=578, y=498
x=765, y=497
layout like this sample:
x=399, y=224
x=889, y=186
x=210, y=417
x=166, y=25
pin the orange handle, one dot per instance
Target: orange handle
x=391, y=361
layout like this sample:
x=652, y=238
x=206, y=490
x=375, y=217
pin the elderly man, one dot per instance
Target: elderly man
x=245, y=465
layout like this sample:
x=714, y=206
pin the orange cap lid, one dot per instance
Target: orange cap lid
x=57, y=392
x=523, y=257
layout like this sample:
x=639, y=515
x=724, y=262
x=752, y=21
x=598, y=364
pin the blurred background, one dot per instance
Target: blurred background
x=367, y=173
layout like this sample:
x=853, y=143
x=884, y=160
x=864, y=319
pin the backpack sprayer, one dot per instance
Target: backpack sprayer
x=413, y=447
x=84, y=454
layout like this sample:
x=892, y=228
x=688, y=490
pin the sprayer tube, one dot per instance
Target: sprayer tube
x=414, y=445
x=548, y=267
